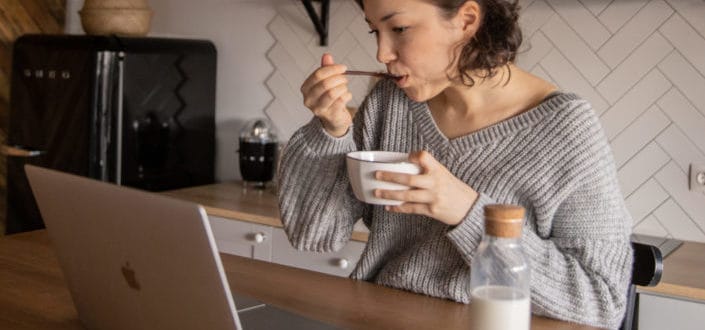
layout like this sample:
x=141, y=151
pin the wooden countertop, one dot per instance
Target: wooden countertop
x=684, y=269
x=231, y=200
x=34, y=295
x=683, y=273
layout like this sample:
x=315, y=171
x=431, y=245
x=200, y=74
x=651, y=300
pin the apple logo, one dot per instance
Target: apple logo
x=129, y=274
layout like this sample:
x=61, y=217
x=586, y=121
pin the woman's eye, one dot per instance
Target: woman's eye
x=400, y=29
x=373, y=32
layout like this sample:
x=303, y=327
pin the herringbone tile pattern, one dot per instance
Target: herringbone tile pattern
x=641, y=63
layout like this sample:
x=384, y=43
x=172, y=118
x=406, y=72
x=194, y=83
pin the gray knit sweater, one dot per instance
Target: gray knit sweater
x=553, y=159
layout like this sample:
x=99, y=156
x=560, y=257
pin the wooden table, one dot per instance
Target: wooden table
x=33, y=294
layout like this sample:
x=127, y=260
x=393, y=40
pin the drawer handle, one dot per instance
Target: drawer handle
x=260, y=237
x=343, y=263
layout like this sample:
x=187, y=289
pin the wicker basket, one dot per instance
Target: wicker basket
x=120, y=4
x=120, y=21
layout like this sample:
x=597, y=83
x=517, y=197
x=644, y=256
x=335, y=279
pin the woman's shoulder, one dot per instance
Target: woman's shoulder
x=570, y=108
x=574, y=120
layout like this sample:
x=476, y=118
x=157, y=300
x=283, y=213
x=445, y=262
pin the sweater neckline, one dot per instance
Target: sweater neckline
x=509, y=126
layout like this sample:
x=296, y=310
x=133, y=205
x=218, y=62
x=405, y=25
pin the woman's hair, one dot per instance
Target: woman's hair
x=495, y=43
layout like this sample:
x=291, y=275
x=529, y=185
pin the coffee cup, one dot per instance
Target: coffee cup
x=362, y=166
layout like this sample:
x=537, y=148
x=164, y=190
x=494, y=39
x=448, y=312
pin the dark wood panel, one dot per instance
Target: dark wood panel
x=18, y=17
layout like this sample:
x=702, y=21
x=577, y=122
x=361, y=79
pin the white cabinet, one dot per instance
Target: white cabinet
x=242, y=238
x=271, y=244
x=339, y=263
x=658, y=312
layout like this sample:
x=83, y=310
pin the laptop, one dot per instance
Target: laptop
x=139, y=260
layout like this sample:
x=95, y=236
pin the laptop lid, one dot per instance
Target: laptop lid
x=133, y=259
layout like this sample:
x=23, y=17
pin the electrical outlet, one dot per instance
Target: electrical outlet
x=697, y=177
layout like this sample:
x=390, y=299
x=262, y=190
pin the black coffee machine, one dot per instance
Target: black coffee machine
x=258, y=152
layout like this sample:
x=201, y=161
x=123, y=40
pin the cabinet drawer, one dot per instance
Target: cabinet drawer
x=242, y=238
x=657, y=312
x=339, y=263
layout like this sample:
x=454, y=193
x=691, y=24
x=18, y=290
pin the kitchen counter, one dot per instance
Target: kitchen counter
x=232, y=200
x=684, y=269
x=34, y=295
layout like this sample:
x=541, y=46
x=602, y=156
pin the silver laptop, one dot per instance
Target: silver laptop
x=132, y=259
x=138, y=260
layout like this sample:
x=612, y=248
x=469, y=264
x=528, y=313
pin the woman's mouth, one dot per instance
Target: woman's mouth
x=399, y=79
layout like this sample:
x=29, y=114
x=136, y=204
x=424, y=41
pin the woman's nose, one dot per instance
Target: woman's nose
x=385, y=51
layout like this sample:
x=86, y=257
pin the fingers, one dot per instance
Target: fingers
x=411, y=180
x=327, y=59
x=424, y=159
x=410, y=208
x=328, y=69
x=322, y=74
x=407, y=196
x=326, y=91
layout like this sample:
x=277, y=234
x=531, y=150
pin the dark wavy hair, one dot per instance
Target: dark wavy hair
x=495, y=43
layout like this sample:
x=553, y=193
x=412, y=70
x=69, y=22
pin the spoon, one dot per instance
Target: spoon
x=372, y=74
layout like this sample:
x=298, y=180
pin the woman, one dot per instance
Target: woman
x=483, y=131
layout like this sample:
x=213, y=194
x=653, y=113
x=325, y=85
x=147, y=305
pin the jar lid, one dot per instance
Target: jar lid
x=258, y=131
x=504, y=220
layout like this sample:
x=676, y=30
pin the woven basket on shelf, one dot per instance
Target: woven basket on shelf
x=121, y=17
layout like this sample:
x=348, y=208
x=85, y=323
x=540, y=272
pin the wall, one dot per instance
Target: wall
x=641, y=63
x=17, y=18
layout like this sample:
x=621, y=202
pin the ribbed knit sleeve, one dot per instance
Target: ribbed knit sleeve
x=315, y=206
x=582, y=272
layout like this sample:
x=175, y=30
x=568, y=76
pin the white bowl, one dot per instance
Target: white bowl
x=362, y=166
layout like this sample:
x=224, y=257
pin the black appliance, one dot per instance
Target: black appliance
x=258, y=152
x=138, y=112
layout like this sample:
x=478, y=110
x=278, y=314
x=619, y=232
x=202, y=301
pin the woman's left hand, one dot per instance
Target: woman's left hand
x=435, y=192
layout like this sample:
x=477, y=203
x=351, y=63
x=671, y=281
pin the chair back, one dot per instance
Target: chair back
x=646, y=271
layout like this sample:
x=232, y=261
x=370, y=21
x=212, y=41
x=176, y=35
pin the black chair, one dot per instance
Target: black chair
x=646, y=271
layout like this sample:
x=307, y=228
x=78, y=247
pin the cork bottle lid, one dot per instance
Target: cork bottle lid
x=504, y=220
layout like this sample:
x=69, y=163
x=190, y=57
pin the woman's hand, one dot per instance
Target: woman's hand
x=325, y=93
x=435, y=192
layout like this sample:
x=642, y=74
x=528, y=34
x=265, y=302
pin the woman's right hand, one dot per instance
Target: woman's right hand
x=325, y=93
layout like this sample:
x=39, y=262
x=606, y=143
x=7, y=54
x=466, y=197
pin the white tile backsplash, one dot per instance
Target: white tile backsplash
x=618, y=13
x=634, y=32
x=634, y=68
x=575, y=49
x=650, y=226
x=685, y=116
x=534, y=50
x=569, y=79
x=641, y=167
x=686, y=78
x=681, y=226
x=689, y=43
x=693, y=11
x=634, y=103
x=534, y=16
x=596, y=6
x=674, y=181
x=638, y=134
x=680, y=148
x=645, y=199
x=587, y=26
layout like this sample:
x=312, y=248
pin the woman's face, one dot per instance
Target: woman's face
x=416, y=43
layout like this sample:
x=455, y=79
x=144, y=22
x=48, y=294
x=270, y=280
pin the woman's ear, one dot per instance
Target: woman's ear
x=469, y=17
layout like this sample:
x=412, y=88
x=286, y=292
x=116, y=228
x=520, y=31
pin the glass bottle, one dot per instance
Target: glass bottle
x=499, y=278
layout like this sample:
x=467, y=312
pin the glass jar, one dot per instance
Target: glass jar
x=499, y=276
